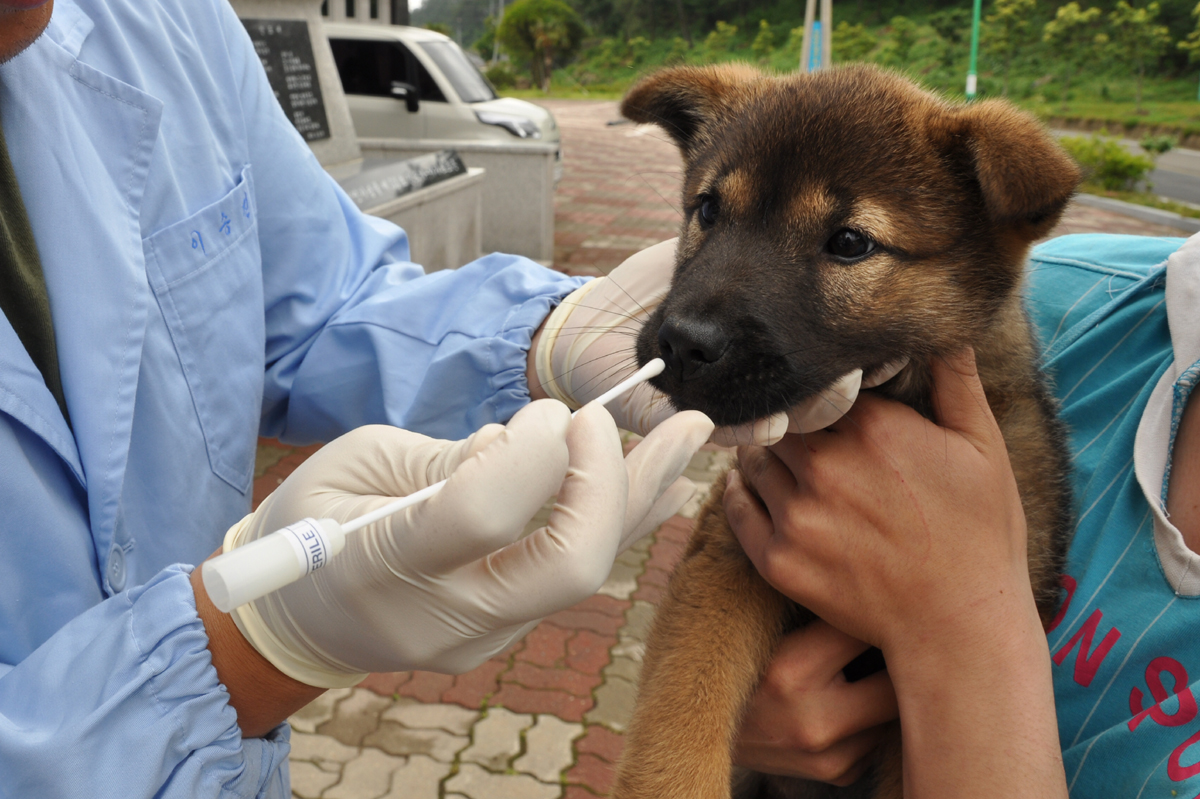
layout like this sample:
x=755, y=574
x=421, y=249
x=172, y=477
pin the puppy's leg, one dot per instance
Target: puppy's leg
x=712, y=637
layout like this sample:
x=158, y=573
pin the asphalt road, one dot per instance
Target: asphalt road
x=1177, y=175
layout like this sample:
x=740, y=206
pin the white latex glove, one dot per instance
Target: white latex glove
x=588, y=342
x=449, y=582
x=587, y=346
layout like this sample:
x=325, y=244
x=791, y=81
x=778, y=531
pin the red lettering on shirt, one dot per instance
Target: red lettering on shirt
x=1067, y=582
x=1180, y=773
x=1087, y=662
x=1187, y=701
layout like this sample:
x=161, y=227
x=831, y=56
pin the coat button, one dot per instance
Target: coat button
x=116, y=570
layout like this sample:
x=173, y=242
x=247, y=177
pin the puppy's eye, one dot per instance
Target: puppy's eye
x=708, y=211
x=849, y=244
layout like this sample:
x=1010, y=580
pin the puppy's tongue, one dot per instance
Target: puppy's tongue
x=822, y=410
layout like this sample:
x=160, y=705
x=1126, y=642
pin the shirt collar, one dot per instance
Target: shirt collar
x=69, y=26
x=1160, y=421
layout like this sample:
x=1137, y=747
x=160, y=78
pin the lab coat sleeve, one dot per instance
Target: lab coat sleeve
x=357, y=334
x=123, y=701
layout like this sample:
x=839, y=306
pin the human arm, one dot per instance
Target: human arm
x=861, y=524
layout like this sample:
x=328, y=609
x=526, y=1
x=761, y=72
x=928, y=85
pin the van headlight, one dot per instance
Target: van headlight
x=521, y=127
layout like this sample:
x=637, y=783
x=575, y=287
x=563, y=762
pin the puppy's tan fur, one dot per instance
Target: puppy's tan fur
x=952, y=196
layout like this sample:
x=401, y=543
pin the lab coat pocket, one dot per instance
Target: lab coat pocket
x=206, y=273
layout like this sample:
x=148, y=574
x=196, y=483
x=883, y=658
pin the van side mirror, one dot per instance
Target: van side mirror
x=408, y=93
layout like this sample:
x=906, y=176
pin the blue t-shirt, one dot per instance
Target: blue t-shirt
x=1119, y=318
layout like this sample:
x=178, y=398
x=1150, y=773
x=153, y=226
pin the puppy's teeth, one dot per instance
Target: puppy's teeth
x=884, y=373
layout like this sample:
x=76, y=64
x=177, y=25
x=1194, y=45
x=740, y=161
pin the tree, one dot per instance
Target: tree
x=764, y=42
x=1191, y=45
x=1137, y=39
x=952, y=26
x=719, y=40
x=901, y=41
x=536, y=31
x=1006, y=31
x=1074, y=35
x=851, y=42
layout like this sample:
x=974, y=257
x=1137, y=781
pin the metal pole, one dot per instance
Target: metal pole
x=972, y=72
x=810, y=9
x=826, y=33
x=496, y=32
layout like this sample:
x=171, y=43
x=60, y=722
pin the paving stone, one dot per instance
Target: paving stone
x=308, y=779
x=321, y=749
x=577, y=792
x=601, y=742
x=622, y=580
x=626, y=661
x=367, y=777
x=591, y=771
x=425, y=686
x=473, y=689
x=397, y=740
x=451, y=718
x=355, y=717
x=386, y=685
x=614, y=704
x=530, y=700
x=638, y=619
x=497, y=739
x=548, y=750
x=419, y=778
x=472, y=782
x=318, y=711
x=545, y=645
x=588, y=652
x=554, y=679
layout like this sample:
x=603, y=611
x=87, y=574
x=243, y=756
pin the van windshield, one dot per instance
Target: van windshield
x=466, y=80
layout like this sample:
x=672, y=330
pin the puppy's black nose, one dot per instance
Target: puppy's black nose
x=689, y=345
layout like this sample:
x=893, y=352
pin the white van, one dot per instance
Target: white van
x=412, y=83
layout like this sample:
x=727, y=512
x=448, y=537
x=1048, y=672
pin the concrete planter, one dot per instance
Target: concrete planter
x=444, y=221
x=518, y=189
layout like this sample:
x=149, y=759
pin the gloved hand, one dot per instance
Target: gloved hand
x=447, y=583
x=587, y=347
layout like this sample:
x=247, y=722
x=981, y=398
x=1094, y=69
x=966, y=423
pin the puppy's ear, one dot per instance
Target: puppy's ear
x=1025, y=177
x=683, y=99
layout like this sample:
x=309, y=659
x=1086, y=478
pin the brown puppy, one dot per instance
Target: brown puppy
x=839, y=220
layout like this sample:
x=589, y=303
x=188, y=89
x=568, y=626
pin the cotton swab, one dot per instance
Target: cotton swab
x=284, y=556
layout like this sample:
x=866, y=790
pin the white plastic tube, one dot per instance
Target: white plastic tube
x=269, y=563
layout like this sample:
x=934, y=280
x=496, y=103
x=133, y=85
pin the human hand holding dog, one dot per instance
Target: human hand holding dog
x=910, y=535
x=806, y=720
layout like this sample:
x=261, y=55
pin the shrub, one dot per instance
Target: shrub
x=1107, y=162
x=720, y=40
x=764, y=42
x=1157, y=145
x=678, y=52
x=851, y=42
x=501, y=75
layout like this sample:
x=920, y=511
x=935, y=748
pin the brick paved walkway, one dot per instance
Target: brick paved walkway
x=544, y=720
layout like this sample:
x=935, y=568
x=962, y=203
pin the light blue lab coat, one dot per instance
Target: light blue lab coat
x=208, y=282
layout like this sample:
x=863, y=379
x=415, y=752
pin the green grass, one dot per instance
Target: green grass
x=1143, y=198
